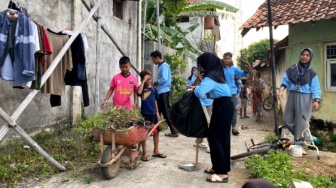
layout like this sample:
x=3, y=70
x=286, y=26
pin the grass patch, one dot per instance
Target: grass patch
x=68, y=147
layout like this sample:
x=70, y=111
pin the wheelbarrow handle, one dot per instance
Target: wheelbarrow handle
x=155, y=126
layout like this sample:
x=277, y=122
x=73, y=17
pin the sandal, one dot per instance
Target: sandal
x=241, y=117
x=214, y=178
x=144, y=158
x=246, y=116
x=209, y=171
x=171, y=135
x=159, y=155
x=235, y=132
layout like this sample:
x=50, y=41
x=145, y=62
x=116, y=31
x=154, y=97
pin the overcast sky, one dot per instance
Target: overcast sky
x=248, y=8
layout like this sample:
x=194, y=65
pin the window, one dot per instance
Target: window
x=331, y=66
x=183, y=19
x=118, y=8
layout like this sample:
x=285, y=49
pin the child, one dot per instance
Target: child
x=124, y=84
x=149, y=110
x=243, y=99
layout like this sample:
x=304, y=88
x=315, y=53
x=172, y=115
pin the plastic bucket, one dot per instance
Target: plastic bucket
x=295, y=150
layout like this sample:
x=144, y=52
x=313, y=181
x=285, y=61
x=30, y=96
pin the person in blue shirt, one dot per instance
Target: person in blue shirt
x=230, y=73
x=192, y=78
x=304, y=94
x=163, y=85
x=212, y=85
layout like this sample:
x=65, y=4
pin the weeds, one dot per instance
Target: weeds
x=278, y=169
x=70, y=148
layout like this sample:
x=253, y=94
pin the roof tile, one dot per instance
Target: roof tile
x=290, y=12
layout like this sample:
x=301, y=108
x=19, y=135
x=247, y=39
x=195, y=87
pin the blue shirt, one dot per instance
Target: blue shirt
x=164, y=78
x=190, y=82
x=204, y=102
x=312, y=87
x=230, y=73
x=148, y=97
x=210, y=89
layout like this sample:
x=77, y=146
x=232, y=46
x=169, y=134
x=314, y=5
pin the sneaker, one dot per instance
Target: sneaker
x=134, y=148
x=208, y=150
x=201, y=145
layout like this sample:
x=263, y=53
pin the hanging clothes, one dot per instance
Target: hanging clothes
x=77, y=76
x=22, y=59
x=40, y=55
x=55, y=84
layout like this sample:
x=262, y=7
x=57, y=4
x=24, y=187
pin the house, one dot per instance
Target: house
x=311, y=24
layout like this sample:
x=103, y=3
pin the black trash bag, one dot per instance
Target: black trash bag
x=187, y=116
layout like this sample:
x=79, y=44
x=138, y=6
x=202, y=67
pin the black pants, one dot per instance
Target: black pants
x=220, y=134
x=164, y=108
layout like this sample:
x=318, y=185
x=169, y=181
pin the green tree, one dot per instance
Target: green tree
x=177, y=66
x=171, y=34
x=255, y=51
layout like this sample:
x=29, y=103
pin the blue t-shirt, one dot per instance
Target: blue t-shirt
x=204, y=102
x=209, y=89
x=230, y=73
x=164, y=78
x=148, y=97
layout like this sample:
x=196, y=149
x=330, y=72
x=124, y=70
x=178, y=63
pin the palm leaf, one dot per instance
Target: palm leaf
x=203, y=13
x=209, y=4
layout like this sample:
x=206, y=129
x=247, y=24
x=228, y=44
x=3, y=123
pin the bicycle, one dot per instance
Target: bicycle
x=263, y=148
x=308, y=138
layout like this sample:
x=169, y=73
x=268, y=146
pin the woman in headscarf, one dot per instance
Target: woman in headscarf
x=304, y=94
x=212, y=84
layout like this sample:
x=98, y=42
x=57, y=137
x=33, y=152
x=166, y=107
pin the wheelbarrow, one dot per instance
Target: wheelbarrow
x=119, y=143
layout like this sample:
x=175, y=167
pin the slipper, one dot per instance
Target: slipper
x=214, y=178
x=209, y=171
x=171, y=135
x=235, y=132
x=145, y=159
x=160, y=155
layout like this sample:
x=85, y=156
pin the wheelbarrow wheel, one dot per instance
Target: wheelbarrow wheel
x=110, y=171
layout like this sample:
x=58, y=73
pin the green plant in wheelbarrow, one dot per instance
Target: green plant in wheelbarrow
x=119, y=129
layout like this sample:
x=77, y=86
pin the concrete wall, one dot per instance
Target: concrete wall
x=68, y=14
x=314, y=36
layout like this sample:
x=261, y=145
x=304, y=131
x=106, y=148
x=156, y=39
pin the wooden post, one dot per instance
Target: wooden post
x=109, y=36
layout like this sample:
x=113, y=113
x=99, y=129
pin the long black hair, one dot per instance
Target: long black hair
x=192, y=72
x=212, y=66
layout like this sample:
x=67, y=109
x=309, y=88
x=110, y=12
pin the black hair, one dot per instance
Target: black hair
x=227, y=54
x=124, y=60
x=144, y=73
x=156, y=54
x=244, y=81
x=212, y=67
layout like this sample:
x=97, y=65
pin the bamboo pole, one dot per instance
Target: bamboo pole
x=96, y=98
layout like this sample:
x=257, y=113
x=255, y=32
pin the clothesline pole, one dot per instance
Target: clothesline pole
x=11, y=120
